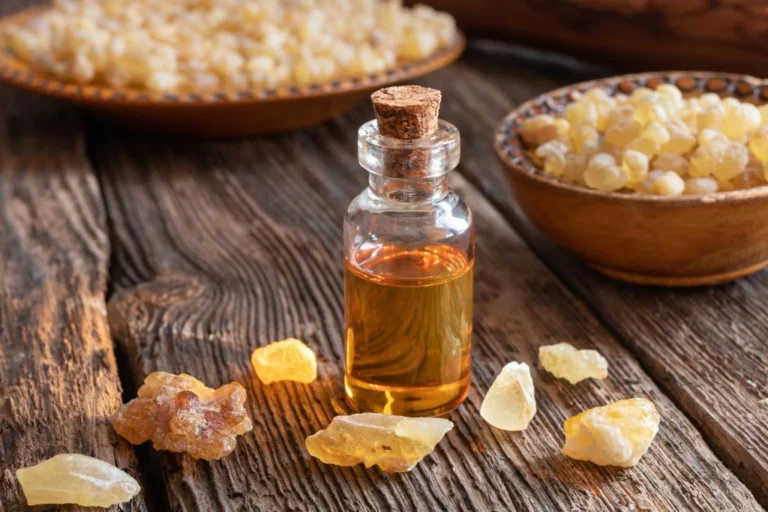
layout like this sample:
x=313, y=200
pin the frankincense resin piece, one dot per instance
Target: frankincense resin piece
x=289, y=359
x=179, y=413
x=565, y=361
x=510, y=403
x=617, y=434
x=394, y=443
x=723, y=140
x=71, y=478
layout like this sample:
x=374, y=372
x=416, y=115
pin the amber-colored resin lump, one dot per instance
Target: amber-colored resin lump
x=617, y=434
x=71, y=478
x=289, y=359
x=394, y=443
x=179, y=413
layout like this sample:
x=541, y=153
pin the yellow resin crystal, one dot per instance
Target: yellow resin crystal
x=617, y=434
x=71, y=478
x=289, y=359
x=394, y=443
x=565, y=361
x=510, y=403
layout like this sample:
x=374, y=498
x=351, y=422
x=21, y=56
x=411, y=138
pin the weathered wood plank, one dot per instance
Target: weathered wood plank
x=707, y=348
x=222, y=247
x=58, y=376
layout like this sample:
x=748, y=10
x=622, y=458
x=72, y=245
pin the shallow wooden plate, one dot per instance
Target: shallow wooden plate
x=224, y=113
x=666, y=241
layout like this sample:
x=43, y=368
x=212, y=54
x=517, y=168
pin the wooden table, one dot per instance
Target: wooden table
x=124, y=254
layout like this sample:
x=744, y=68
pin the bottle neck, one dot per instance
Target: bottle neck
x=415, y=191
x=412, y=170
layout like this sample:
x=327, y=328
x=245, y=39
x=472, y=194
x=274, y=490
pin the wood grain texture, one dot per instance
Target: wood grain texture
x=58, y=376
x=223, y=247
x=721, y=35
x=707, y=347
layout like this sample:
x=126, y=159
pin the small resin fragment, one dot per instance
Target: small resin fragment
x=179, y=413
x=510, y=403
x=565, y=361
x=602, y=173
x=617, y=434
x=700, y=186
x=394, y=443
x=71, y=478
x=289, y=359
x=539, y=130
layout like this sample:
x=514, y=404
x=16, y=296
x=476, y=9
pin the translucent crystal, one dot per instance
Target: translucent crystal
x=645, y=145
x=541, y=129
x=724, y=160
x=681, y=139
x=617, y=434
x=602, y=173
x=670, y=97
x=740, y=120
x=394, y=443
x=665, y=183
x=758, y=144
x=180, y=414
x=71, y=478
x=710, y=117
x=640, y=94
x=622, y=132
x=635, y=165
x=602, y=102
x=649, y=109
x=583, y=137
x=656, y=132
x=565, y=361
x=700, y=186
x=289, y=359
x=581, y=112
x=510, y=403
x=671, y=162
x=575, y=164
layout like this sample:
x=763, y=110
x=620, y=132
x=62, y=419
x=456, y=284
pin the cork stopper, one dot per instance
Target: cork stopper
x=407, y=112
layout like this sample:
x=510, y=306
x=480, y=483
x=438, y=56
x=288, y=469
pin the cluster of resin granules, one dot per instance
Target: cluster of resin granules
x=394, y=443
x=655, y=142
x=565, y=361
x=510, y=403
x=180, y=414
x=70, y=478
x=289, y=359
x=617, y=434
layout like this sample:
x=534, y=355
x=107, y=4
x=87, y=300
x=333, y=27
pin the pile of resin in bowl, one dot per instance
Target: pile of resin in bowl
x=176, y=45
x=653, y=142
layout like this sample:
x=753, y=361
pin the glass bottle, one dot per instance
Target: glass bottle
x=409, y=249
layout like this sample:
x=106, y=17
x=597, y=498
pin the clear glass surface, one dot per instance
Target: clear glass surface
x=409, y=248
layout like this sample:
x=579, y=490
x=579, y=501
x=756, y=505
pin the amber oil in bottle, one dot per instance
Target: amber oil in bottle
x=408, y=276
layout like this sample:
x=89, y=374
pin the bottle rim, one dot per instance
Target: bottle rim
x=416, y=159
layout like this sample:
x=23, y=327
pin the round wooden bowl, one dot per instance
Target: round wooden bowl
x=224, y=113
x=680, y=241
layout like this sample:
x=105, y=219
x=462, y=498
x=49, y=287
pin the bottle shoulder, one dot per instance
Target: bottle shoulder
x=366, y=202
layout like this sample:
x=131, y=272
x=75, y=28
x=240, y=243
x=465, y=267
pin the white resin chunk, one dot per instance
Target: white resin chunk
x=510, y=403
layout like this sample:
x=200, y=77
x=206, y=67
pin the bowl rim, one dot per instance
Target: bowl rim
x=503, y=149
x=17, y=73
